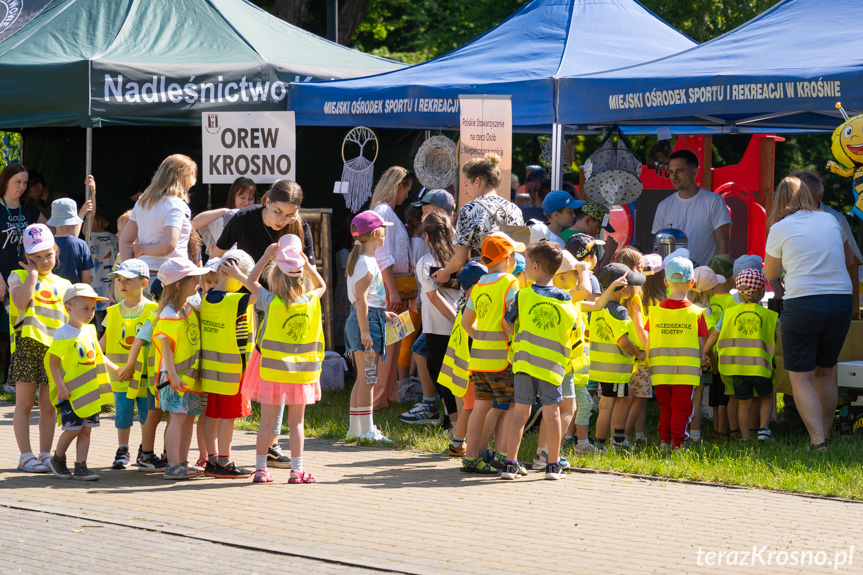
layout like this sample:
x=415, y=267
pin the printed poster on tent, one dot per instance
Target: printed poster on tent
x=257, y=145
x=486, y=126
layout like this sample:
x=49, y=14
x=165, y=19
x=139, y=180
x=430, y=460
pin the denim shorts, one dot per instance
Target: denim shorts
x=567, y=387
x=526, y=388
x=71, y=421
x=125, y=410
x=814, y=329
x=419, y=347
x=377, y=329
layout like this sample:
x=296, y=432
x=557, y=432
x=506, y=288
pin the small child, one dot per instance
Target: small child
x=640, y=389
x=721, y=300
x=614, y=349
x=75, y=260
x=103, y=249
x=122, y=323
x=542, y=318
x=116, y=296
x=705, y=282
x=677, y=330
x=177, y=341
x=746, y=340
x=78, y=381
x=559, y=208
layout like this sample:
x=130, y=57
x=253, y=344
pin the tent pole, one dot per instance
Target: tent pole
x=88, y=169
x=556, y=150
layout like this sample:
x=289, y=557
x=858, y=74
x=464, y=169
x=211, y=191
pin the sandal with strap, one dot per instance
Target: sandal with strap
x=32, y=465
x=262, y=476
x=301, y=477
x=179, y=471
x=199, y=466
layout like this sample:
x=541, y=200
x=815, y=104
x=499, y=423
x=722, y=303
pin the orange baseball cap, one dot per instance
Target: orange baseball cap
x=498, y=246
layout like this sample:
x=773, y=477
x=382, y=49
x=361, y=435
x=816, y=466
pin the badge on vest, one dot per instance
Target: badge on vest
x=193, y=333
x=483, y=303
x=748, y=322
x=544, y=315
x=297, y=326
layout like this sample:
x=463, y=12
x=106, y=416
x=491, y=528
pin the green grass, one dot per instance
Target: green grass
x=783, y=465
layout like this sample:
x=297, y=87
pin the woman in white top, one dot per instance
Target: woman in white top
x=211, y=224
x=811, y=247
x=161, y=222
x=393, y=258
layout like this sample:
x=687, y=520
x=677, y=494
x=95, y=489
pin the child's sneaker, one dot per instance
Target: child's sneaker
x=540, y=461
x=477, y=465
x=588, y=449
x=276, y=458
x=262, y=476
x=421, y=414
x=209, y=469
x=231, y=471
x=122, y=459
x=764, y=434
x=374, y=434
x=621, y=444
x=58, y=467
x=151, y=462
x=82, y=473
x=457, y=451
x=522, y=470
x=554, y=471
x=510, y=471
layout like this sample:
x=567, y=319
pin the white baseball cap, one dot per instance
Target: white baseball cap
x=130, y=269
x=82, y=290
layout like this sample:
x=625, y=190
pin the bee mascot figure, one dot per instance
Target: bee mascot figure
x=847, y=148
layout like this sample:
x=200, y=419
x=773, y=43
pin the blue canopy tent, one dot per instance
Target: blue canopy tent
x=783, y=70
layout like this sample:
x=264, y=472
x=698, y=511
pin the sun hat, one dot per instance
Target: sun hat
x=679, y=266
x=498, y=246
x=470, y=274
x=244, y=261
x=598, y=212
x=580, y=245
x=37, y=238
x=538, y=232
x=64, y=212
x=747, y=262
x=82, y=290
x=706, y=279
x=615, y=270
x=175, y=269
x=569, y=263
x=289, y=258
x=557, y=200
x=130, y=269
x=749, y=281
x=367, y=221
x=722, y=264
x=213, y=264
x=652, y=264
x=440, y=198
x=678, y=253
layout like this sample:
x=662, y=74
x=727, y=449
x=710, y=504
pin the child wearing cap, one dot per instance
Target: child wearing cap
x=78, y=381
x=489, y=363
x=35, y=312
x=746, y=339
x=177, y=343
x=123, y=322
x=722, y=265
x=677, y=330
x=559, y=209
x=75, y=259
x=584, y=248
x=103, y=248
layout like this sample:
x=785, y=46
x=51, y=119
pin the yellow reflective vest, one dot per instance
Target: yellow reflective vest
x=455, y=370
x=608, y=362
x=223, y=356
x=579, y=358
x=489, y=351
x=719, y=303
x=120, y=334
x=292, y=341
x=146, y=371
x=84, y=373
x=746, y=341
x=44, y=312
x=675, y=352
x=184, y=337
x=543, y=337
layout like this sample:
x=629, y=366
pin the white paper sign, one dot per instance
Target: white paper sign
x=257, y=145
x=341, y=188
x=486, y=126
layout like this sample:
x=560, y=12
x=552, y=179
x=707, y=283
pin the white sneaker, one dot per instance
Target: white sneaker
x=764, y=434
x=586, y=449
x=374, y=434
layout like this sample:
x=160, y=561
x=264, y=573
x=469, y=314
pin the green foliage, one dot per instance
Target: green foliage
x=703, y=20
x=10, y=148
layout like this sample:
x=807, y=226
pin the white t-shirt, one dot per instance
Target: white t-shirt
x=396, y=251
x=419, y=248
x=698, y=217
x=433, y=320
x=811, y=247
x=66, y=331
x=377, y=294
x=214, y=229
x=170, y=212
x=846, y=228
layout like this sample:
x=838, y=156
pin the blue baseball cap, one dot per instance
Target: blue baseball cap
x=520, y=262
x=470, y=274
x=680, y=267
x=440, y=198
x=557, y=200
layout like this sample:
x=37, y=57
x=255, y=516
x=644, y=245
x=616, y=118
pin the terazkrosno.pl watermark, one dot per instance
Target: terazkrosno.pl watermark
x=764, y=556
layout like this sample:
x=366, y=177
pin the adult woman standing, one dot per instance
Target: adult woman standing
x=393, y=258
x=211, y=224
x=818, y=302
x=483, y=211
x=14, y=217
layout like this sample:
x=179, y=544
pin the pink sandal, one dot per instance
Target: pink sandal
x=262, y=476
x=301, y=477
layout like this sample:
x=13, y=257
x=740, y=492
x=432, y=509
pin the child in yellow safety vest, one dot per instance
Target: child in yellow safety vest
x=177, y=344
x=122, y=323
x=677, y=329
x=78, y=381
x=614, y=349
x=489, y=364
x=285, y=368
x=35, y=312
x=746, y=338
x=722, y=265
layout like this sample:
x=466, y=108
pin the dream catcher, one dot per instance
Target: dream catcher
x=436, y=163
x=358, y=172
x=659, y=157
x=612, y=173
x=567, y=159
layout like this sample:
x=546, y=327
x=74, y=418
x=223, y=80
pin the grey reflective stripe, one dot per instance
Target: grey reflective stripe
x=292, y=348
x=745, y=360
x=608, y=348
x=482, y=335
x=583, y=370
x=611, y=367
x=38, y=325
x=80, y=380
x=220, y=376
x=302, y=366
x=86, y=399
x=49, y=312
x=221, y=357
x=117, y=357
x=745, y=342
x=674, y=352
x=185, y=365
x=540, y=362
x=457, y=361
x=675, y=370
x=456, y=379
x=488, y=353
x=551, y=345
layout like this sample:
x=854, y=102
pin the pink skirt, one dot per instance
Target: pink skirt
x=275, y=393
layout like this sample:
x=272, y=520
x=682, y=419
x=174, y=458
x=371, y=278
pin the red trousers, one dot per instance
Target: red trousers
x=675, y=412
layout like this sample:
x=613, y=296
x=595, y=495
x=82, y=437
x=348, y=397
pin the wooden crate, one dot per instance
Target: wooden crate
x=320, y=222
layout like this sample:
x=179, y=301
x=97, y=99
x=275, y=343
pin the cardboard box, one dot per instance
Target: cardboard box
x=850, y=374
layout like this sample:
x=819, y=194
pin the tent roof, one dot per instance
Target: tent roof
x=783, y=69
x=87, y=62
x=521, y=57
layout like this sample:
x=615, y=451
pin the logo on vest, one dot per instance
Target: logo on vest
x=456, y=338
x=716, y=309
x=544, y=315
x=483, y=304
x=603, y=330
x=671, y=328
x=748, y=323
x=193, y=334
x=297, y=326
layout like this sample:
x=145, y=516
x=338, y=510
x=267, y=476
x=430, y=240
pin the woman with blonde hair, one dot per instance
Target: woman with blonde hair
x=811, y=248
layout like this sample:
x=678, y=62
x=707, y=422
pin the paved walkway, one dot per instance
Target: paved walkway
x=379, y=510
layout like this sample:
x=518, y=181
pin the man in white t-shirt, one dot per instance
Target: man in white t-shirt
x=701, y=214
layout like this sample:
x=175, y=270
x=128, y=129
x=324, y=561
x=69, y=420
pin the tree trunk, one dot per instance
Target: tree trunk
x=291, y=11
x=351, y=14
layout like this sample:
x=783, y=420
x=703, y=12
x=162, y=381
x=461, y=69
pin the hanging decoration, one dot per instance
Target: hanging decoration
x=436, y=163
x=567, y=158
x=612, y=173
x=358, y=172
x=659, y=156
x=847, y=148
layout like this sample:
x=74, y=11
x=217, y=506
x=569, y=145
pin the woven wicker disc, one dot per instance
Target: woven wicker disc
x=436, y=162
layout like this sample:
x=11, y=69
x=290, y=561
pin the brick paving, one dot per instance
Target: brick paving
x=416, y=513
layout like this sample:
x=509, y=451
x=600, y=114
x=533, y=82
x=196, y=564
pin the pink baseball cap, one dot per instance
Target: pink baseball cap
x=175, y=269
x=364, y=222
x=37, y=238
x=289, y=258
x=652, y=264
